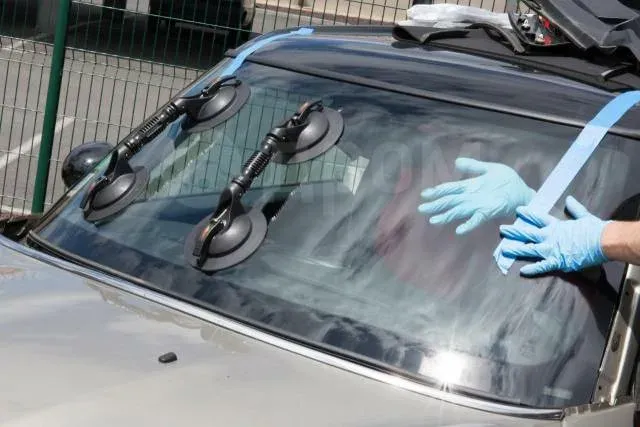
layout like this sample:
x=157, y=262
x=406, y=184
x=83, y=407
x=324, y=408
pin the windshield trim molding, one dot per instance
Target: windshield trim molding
x=287, y=345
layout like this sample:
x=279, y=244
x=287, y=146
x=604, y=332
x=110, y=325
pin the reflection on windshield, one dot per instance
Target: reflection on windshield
x=349, y=262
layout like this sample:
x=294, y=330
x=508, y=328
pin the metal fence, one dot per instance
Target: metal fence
x=119, y=61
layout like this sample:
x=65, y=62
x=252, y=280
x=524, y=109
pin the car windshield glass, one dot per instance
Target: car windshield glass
x=349, y=264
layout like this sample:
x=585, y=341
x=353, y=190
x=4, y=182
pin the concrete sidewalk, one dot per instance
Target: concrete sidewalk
x=361, y=11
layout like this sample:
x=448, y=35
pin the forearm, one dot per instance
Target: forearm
x=621, y=241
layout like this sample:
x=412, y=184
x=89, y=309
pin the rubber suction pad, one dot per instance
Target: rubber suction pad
x=323, y=131
x=116, y=196
x=227, y=101
x=235, y=245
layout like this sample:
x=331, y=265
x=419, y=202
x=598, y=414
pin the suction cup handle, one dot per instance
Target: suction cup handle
x=304, y=111
x=218, y=83
x=193, y=105
x=151, y=128
x=303, y=129
x=257, y=163
x=229, y=206
x=215, y=226
x=96, y=186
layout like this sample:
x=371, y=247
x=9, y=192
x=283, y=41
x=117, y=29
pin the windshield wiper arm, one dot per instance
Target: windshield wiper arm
x=121, y=183
x=232, y=232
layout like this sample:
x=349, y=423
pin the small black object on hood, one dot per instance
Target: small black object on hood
x=168, y=357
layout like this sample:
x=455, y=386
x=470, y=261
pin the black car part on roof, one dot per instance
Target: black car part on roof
x=418, y=33
x=537, y=31
x=555, y=36
x=604, y=71
x=232, y=233
x=605, y=25
x=121, y=183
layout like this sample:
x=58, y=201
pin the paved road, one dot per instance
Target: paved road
x=103, y=95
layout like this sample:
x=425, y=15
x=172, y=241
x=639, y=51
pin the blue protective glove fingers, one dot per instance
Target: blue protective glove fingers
x=445, y=189
x=538, y=219
x=454, y=214
x=476, y=219
x=540, y=267
x=526, y=250
x=569, y=245
x=496, y=191
x=441, y=205
x=525, y=233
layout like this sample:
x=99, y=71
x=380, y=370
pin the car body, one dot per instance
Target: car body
x=354, y=310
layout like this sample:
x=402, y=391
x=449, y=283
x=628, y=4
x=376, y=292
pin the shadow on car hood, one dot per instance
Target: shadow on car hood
x=76, y=352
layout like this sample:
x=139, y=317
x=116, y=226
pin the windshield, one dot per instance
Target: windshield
x=349, y=264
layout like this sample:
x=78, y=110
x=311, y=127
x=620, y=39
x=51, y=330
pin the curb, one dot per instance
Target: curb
x=328, y=15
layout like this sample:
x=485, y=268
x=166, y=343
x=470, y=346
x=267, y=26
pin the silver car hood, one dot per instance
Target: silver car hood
x=79, y=352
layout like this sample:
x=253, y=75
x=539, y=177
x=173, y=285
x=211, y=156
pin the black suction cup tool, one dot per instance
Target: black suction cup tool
x=115, y=190
x=312, y=131
x=229, y=97
x=228, y=237
x=233, y=233
x=121, y=184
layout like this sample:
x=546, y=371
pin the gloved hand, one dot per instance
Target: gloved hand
x=569, y=245
x=498, y=191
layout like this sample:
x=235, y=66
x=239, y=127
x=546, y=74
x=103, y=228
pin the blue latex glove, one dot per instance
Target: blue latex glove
x=569, y=245
x=497, y=191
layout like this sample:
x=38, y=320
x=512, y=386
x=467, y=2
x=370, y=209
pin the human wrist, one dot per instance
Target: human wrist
x=613, y=240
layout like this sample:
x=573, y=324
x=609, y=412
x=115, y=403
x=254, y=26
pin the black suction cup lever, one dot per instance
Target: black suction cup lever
x=233, y=233
x=310, y=132
x=227, y=96
x=114, y=190
x=121, y=184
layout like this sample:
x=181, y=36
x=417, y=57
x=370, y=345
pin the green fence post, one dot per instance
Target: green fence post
x=51, y=108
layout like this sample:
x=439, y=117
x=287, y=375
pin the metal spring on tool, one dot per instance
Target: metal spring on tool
x=152, y=128
x=256, y=164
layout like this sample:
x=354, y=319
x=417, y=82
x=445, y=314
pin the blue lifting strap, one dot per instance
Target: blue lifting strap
x=572, y=161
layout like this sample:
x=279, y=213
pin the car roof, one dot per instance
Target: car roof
x=372, y=57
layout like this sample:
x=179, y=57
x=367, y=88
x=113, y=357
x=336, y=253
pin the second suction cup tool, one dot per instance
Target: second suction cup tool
x=233, y=233
x=312, y=131
x=227, y=237
x=115, y=190
x=230, y=95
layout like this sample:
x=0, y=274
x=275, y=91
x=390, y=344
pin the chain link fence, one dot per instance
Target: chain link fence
x=123, y=59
